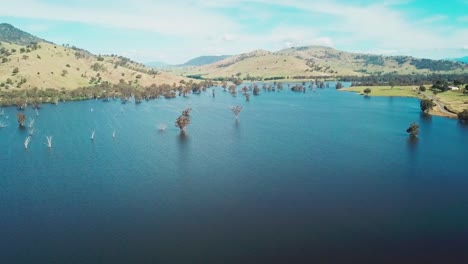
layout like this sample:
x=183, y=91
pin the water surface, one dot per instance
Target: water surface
x=324, y=177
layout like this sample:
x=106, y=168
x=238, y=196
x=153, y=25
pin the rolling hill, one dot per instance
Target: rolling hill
x=30, y=62
x=316, y=61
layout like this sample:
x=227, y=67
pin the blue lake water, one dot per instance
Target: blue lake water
x=320, y=177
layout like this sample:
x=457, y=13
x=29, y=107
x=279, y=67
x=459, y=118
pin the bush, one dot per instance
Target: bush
x=463, y=115
x=367, y=91
x=422, y=88
x=15, y=71
x=426, y=105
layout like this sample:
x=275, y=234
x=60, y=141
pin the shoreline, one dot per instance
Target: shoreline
x=405, y=91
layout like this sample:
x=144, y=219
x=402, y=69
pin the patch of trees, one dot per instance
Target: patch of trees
x=274, y=78
x=98, y=67
x=195, y=76
x=397, y=79
x=298, y=88
x=426, y=105
x=436, y=65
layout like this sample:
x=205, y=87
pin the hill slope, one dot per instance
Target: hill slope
x=317, y=61
x=45, y=65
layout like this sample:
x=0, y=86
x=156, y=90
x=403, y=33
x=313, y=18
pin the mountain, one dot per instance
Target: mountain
x=203, y=60
x=157, y=64
x=315, y=61
x=30, y=62
x=9, y=33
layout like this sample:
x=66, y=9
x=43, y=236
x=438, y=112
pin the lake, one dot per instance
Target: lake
x=320, y=177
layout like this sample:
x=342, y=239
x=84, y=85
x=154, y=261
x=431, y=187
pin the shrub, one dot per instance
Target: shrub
x=463, y=115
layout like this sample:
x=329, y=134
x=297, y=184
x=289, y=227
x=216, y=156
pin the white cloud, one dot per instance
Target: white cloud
x=207, y=27
x=174, y=18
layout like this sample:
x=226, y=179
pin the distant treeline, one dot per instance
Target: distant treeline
x=410, y=79
x=106, y=91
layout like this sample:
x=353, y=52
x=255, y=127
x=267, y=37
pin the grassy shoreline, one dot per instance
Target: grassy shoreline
x=452, y=102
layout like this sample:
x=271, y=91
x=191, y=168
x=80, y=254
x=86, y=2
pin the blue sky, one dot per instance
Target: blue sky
x=178, y=30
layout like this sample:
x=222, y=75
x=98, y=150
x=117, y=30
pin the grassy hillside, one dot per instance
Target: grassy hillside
x=315, y=61
x=46, y=65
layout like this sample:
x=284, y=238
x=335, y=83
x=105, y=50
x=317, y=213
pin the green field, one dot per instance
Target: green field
x=456, y=101
x=398, y=91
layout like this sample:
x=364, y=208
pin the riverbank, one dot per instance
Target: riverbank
x=447, y=104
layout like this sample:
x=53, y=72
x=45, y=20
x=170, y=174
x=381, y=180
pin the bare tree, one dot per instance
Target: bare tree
x=21, y=119
x=236, y=110
x=183, y=120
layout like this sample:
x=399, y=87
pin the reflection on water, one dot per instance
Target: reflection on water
x=412, y=144
x=425, y=118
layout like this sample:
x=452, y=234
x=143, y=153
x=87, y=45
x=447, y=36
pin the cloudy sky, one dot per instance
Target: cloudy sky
x=177, y=30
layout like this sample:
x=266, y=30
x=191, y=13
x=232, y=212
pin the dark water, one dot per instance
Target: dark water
x=324, y=177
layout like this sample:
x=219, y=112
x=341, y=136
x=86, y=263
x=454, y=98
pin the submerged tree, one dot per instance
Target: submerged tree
x=183, y=120
x=247, y=97
x=426, y=105
x=256, y=90
x=236, y=110
x=413, y=130
x=186, y=111
x=339, y=85
x=49, y=141
x=21, y=119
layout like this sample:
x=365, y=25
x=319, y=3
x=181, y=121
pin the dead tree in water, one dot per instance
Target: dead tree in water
x=413, y=130
x=247, y=97
x=236, y=110
x=21, y=119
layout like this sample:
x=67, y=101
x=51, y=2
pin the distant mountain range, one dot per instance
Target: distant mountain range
x=198, y=61
x=157, y=64
x=316, y=61
x=204, y=60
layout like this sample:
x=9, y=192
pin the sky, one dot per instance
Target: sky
x=178, y=30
